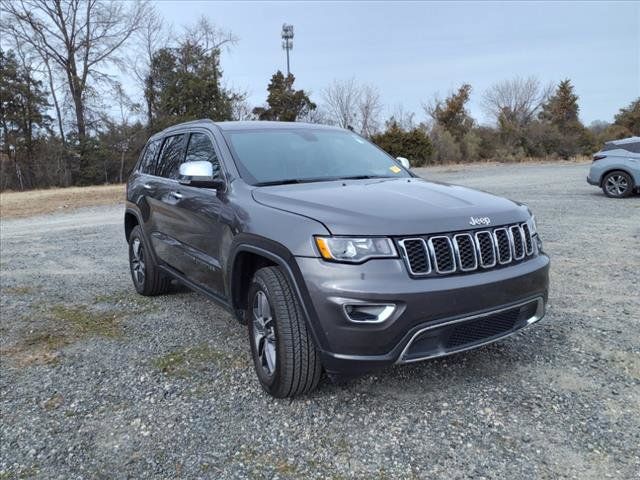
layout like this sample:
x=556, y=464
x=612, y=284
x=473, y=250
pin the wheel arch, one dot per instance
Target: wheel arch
x=130, y=222
x=133, y=218
x=250, y=254
x=616, y=169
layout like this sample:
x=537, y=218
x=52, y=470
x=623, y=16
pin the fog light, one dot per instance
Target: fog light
x=368, y=313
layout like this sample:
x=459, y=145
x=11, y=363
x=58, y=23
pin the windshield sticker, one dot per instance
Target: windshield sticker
x=395, y=169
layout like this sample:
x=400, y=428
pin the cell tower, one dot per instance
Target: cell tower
x=287, y=42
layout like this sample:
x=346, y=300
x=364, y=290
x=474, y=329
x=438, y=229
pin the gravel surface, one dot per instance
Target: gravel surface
x=98, y=382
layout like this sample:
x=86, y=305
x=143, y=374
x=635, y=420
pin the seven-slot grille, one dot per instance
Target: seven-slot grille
x=466, y=252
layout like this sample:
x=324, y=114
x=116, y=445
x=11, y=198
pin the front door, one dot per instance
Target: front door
x=195, y=225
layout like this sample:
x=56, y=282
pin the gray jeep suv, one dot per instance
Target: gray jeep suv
x=335, y=256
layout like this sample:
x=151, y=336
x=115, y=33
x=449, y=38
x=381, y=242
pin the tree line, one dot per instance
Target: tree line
x=65, y=118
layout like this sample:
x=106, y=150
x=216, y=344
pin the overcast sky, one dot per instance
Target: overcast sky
x=412, y=50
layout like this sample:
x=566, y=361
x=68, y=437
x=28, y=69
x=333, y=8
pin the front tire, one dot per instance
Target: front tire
x=284, y=354
x=145, y=274
x=617, y=184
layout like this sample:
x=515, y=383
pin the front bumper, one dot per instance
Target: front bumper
x=429, y=310
x=591, y=181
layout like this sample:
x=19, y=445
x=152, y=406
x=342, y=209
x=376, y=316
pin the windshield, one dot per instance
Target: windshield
x=305, y=155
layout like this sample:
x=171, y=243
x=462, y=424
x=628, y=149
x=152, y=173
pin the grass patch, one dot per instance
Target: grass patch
x=18, y=290
x=81, y=322
x=36, y=349
x=72, y=323
x=182, y=363
x=254, y=459
x=25, y=472
x=36, y=202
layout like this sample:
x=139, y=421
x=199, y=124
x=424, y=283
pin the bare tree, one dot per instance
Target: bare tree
x=317, y=115
x=349, y=104
x=78, y=37
x=241, y=110
x=127, y=109
x=369, y=108
x=341, y=100
x=151, y=37
x=212, y=38
x=402, y=118
x=515, y=102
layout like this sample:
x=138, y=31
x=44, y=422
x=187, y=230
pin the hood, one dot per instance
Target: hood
x=390, y=207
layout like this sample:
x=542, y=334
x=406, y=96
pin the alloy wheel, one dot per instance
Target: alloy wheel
x=264, y=334
x=617, y=185
x=137, y=261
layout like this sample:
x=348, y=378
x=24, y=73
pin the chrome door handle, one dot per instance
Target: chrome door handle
x=147, y=186
x=177, y=195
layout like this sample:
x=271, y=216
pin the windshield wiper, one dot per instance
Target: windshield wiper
x=288, y=181
x=363, y=177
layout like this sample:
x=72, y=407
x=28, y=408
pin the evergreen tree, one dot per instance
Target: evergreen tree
x=23, y=106
x=284, y=103
x=184, y=84
x=629, y=118
x=566, y=136
x=562, y=107
x=413, y=144
x=452, y=114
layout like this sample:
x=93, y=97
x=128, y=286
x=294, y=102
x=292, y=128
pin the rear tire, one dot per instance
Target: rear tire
x=284, y=354
x=617, y=184
x=146, y=276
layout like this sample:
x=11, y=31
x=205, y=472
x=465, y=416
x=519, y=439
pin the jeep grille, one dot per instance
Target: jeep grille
x=463, y=252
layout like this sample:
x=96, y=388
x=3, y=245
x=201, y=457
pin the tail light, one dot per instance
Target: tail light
x=598, y=157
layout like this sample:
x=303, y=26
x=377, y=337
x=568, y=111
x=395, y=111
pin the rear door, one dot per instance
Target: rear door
x=195, y=223
x=142, y=184
x=634, y=160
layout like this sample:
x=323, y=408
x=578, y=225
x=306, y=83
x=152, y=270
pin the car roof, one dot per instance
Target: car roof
x=624, y=141
x=260, y=125
x=245, y=125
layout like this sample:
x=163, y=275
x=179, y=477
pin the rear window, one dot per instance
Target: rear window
x=633, y=147
x=148, y=162
x=171, y=156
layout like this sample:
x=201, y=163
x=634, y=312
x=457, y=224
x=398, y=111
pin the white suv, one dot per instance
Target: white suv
x=616, y=168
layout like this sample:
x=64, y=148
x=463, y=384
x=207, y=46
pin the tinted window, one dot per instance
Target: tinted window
x=269, y=156
x=148, y=162
x=171, y=156
x=201, y=150
x=628, y=146
x=632, y=147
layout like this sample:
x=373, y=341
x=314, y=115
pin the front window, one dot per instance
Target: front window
x=267, y=157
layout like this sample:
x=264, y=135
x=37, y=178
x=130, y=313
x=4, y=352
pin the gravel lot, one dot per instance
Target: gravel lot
x=98, y=382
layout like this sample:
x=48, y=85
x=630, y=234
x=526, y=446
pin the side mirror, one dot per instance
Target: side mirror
x=404, y=162
x=199, y=174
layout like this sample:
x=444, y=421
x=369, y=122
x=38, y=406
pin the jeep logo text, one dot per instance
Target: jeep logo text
x=479, y=221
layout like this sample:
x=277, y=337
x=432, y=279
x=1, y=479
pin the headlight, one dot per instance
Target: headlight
x=533, y=228
x=355, y=250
